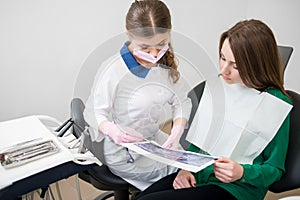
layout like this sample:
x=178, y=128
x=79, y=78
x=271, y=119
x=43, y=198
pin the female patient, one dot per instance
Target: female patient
x=128, y=97
x=249, y=57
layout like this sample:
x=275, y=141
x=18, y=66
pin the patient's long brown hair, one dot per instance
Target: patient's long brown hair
x=256, y=54
x=145, y=18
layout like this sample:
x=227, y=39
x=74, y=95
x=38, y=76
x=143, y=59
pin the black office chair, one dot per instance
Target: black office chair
x=99, y=176
x=291, y=179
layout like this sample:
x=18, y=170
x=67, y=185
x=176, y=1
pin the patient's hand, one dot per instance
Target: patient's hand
x=184, y=179
x=227, y=170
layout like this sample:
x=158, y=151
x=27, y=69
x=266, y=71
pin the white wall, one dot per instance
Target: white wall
x=43, y=43
x=283, y=18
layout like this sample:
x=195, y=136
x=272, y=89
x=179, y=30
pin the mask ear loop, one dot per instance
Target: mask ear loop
x=162, y=52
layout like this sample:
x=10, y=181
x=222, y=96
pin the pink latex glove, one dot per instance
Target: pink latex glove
x=120, y=134
x=173, y=140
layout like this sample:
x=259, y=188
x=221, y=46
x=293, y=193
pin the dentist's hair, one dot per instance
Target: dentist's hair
x=146, y=18
x=256, y=54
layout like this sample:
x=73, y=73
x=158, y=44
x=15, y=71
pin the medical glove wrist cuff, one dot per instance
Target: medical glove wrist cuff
x=177, y=130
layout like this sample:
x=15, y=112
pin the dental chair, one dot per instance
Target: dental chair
x=291, y=179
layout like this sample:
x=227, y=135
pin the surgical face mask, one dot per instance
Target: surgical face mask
x=149, y=57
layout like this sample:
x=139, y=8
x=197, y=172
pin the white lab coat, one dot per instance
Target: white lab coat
x=128, y=100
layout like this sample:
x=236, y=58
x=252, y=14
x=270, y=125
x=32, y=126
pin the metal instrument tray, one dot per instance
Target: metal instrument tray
x=26, y=152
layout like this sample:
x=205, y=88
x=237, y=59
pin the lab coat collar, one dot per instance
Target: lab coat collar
x=131, y=63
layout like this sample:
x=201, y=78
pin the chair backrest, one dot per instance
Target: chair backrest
x=195, y=95
x=291, y=179
x=77, y=108
x=285, y=54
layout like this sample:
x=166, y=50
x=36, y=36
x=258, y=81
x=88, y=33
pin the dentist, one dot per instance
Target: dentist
x=130, y=93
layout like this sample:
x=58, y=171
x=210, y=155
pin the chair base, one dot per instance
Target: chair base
x=105, y=195
x=118, y=195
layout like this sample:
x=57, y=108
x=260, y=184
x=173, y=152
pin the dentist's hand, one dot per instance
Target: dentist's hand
x=173, y=139
x=120, y=134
